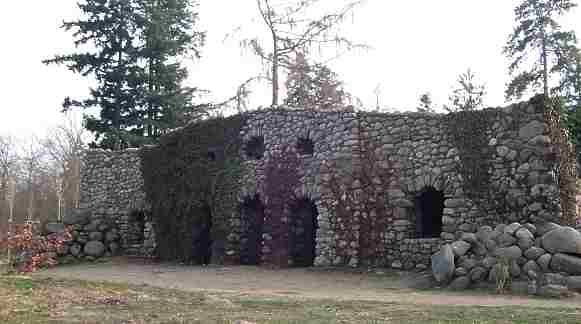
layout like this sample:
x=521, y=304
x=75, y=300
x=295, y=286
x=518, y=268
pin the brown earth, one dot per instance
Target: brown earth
x=339, y=284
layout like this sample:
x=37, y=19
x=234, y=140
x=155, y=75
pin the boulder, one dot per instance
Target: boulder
x=467, y=263
x=443, y=264
x=469, y=237
x=531, y=266
x=111, y=236
x=566, y=263
x=460, y=272
x=505, y=240
x=95, y=236
x=544, y=261
x=512, y=228
x=460, y=283
x=553, y=279
x=490, y=245
x=512, y=252
x=524, y=234
x=92, y=226
x=114, y=248
x=94, y=249
x=478, y=274
x=460, y=247
x=489, y=262
x=545, y=227
x=525, y=244
x=562, y=240
x=531, y=130
x=532, y=228
x=574, y=283
x=534, y=253
x=75, y=250
x=484, y=233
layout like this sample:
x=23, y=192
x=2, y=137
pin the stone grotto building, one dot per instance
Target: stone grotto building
x=301, y=188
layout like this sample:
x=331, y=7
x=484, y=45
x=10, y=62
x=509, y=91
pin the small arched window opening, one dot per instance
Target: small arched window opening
x=429, y=207
x=305, y=146
x=254, y=148
x=211, y=156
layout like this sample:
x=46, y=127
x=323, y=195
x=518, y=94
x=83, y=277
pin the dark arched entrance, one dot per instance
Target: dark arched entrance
x=202, y=236
x=429, y=211
x=252, y=219
x=303, y=231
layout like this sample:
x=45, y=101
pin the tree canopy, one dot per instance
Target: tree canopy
x=133, y=49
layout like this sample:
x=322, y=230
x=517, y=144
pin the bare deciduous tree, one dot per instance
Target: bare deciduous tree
x=64, y=145
x=291, y=30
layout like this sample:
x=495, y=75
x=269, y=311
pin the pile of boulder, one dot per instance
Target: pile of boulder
x=542, y=259
x=91, y=238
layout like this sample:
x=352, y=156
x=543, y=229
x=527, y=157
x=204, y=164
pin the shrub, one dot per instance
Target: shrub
x=28, y=251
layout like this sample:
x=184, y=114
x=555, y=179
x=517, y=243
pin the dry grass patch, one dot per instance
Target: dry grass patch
x=35, y=300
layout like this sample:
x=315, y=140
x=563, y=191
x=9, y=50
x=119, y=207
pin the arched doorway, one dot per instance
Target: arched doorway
x=429, y=207
x=303, y=231
x=202, y=236
x=252, y=219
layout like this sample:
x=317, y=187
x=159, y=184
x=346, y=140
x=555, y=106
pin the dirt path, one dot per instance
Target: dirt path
x=300, y=283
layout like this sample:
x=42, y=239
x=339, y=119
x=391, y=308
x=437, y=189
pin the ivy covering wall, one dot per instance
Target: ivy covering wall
x=193, y=172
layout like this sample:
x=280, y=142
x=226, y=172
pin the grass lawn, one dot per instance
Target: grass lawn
x=36, y=300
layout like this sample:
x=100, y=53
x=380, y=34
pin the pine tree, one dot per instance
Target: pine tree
x=314, y=86
x=469, y=95
x=538, y=34
x=133, y=49
x=426, y=104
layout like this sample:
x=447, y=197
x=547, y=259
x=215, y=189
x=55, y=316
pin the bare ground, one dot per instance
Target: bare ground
x=316, y=283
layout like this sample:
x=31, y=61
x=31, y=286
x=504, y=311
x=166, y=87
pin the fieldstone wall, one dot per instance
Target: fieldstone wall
x=542, y=259
x=113, y=213
x=371, y=178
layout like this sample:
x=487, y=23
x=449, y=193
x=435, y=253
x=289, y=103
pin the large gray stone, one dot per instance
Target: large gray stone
x=96, y=236
x=460, y=247
x=505, y=240
x=75, y=250
x=534, y=253
x=469, y=237
x=484, y=233
x=443, y=264
x=460, y=283
x=524, y=234
x=574, y=283
x=566, y=263
x=77, y=217
x=545, y=227
x=531, y=266
x=512, y=252
x=111, y=236
x=562, y=240
x=544, y=261
x=478, y=274
x=512, y=228
x=531, y=130
x=94, y=249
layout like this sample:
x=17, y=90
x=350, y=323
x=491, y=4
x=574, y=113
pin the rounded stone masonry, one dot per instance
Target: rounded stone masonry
x=549, y=267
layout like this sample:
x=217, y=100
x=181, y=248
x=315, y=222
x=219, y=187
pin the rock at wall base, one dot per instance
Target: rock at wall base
x=443, y=264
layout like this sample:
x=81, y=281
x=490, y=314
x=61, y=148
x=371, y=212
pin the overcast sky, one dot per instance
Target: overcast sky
x=418, y=46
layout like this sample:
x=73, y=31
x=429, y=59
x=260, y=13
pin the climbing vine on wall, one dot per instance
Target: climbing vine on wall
x=281, y=179
x=468, y=132
x=566, y=170
x=192, y=171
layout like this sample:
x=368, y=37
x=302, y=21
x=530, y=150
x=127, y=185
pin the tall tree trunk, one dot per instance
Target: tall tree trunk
x=274, y=71
x=545, y=65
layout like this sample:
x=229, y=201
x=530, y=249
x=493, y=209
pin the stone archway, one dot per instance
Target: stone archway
x=252, y=221
x=302, y=233
x=202, y=236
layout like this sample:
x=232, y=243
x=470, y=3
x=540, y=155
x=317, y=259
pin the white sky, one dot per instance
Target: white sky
x=419, y=45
